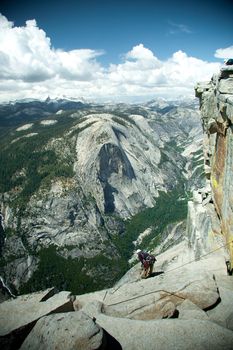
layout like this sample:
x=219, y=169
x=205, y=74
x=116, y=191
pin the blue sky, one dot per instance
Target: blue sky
x=106, y=33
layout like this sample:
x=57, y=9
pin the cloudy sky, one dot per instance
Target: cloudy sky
x=111, y=49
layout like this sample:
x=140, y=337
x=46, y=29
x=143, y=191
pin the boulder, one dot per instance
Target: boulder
x=25, y=309
x=226, y=86
x=84, y=299
x=64, y=331
x=188, y=310
x=222, y=313
x=167, y=334
x=93, y=309
x=18, y=316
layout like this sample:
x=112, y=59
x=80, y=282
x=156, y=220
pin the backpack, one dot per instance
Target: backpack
x=150, y=259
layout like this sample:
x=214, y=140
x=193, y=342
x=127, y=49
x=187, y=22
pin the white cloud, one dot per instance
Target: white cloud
x=179, y=71
x=183, y=70
x=141, y=53
x=26, y=54
x=227, y=52
x=137, y=68
x=31, y=67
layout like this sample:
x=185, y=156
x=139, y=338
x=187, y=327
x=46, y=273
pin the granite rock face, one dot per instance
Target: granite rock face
x=167, y=334
x=189, y=304
x=222, y=313
x=26, y=309
x=115, y=163
x=168, y=310
x=18, y=316
x=177, y=278
x=216, y=105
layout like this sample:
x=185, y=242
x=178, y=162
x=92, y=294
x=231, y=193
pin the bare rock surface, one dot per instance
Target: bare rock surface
x=229, y=321
x=148, y=299
x=65, y=331
x=216, y=112
x=188, y=310
x=108, y=167
x=140, y=313
x=226, y=86
x=222, y=313
x=158, y=296
x=225, y=282
x=25, y=309
x=167, y=334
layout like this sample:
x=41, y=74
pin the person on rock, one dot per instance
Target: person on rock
x=147, y=260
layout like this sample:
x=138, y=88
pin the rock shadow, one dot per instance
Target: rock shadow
x=218, y=301
x=109, y=342
x=157, y=273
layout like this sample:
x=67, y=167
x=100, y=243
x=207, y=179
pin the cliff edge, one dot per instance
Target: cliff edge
x=216, y=105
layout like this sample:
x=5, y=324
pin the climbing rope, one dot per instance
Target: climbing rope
x=197, y=259
x=176, y=268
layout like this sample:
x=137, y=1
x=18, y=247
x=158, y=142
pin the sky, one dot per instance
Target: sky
x=111, y=50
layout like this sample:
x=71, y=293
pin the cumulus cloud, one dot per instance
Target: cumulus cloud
x=26, y=54
x=146, y=70
x=31, y=67
x=227, y=52
x=137, y=67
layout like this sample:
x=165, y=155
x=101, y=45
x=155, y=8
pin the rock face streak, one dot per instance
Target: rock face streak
x=216, y=200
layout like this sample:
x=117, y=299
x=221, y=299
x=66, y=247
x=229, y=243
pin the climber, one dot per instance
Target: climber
x=147, y=261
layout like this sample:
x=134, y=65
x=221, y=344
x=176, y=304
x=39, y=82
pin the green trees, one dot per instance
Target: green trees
x=69, y=274
x=166, y=211
x=27, y=162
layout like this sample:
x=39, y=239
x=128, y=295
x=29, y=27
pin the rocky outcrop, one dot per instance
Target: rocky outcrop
x=184, y=302
x=28, y=308
x=203, y=226
x=18, y=316
x=223, y=314
x=188, y=292
x=178, y=277
x=65, y=331
x=167, y=334
x=216, y=104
